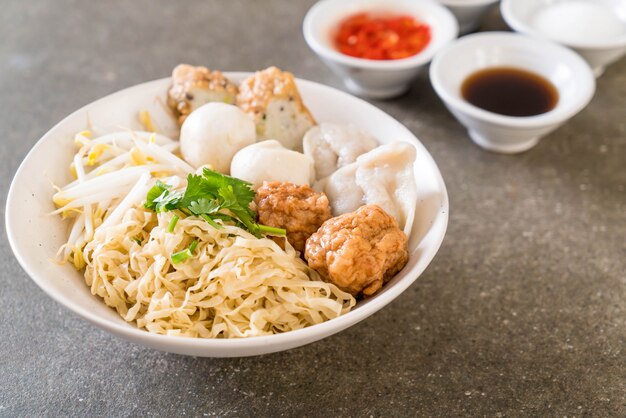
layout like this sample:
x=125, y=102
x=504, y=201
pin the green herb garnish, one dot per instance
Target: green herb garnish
x=211, y=196
x=172, y=224
x=161, y=199
x=183, y=255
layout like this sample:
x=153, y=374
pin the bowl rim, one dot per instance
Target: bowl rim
x=278, y=341
x=448, y=22
x=518, y=24
x=557, y=115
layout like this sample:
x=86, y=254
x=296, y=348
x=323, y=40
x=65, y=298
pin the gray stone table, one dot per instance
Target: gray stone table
x=522, y=312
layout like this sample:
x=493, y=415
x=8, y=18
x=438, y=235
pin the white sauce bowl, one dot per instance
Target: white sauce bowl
x=509, y=134
x=374, y=78
x=519, y=15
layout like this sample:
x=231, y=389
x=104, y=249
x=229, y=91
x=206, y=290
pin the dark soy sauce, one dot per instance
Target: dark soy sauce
x=510, y=91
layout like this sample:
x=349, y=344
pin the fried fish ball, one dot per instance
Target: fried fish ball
x=193, y=87
x=297, y=208
x=272, y=99
x=358, y=251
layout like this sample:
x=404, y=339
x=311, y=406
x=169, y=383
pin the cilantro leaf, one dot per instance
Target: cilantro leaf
x=230, y=202
x=161, y=199
x=167, y=201
x=154, y=193
x=204, y=206
x=242, y=190
x=228, y=196
x=211, y=196
x=196, y=189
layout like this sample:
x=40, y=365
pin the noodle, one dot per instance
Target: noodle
x=236, y=285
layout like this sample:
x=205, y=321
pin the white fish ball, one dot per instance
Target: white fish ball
x=213, y=133
x=270, y=161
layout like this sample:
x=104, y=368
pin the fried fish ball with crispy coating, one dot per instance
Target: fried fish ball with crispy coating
x=358, y=251
x=297, y=208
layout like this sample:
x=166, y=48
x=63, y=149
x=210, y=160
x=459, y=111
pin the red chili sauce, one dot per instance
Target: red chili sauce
x=385, y=37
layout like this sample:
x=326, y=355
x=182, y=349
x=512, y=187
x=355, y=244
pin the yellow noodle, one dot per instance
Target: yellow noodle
x=236, y=285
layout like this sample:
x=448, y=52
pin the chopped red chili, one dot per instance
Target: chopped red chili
x=381, y=37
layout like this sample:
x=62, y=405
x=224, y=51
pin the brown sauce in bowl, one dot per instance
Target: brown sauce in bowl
x=510, y=91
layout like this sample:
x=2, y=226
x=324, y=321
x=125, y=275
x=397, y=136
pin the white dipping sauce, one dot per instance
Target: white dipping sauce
x=578, y=21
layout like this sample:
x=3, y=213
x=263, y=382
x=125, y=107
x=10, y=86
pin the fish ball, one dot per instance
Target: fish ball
x=213, y=133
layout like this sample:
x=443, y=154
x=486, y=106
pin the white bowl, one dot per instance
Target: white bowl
x=469, y=13
x=35, y=236
x=518, y=14
x=508, y=134
x=374, y=78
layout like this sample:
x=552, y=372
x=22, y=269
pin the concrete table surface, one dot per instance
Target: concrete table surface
x=522, y=312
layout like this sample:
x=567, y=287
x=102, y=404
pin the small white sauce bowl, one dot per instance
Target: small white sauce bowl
x=510, y=134
x=374, y=78
x=518, y=15
x=469, y=13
